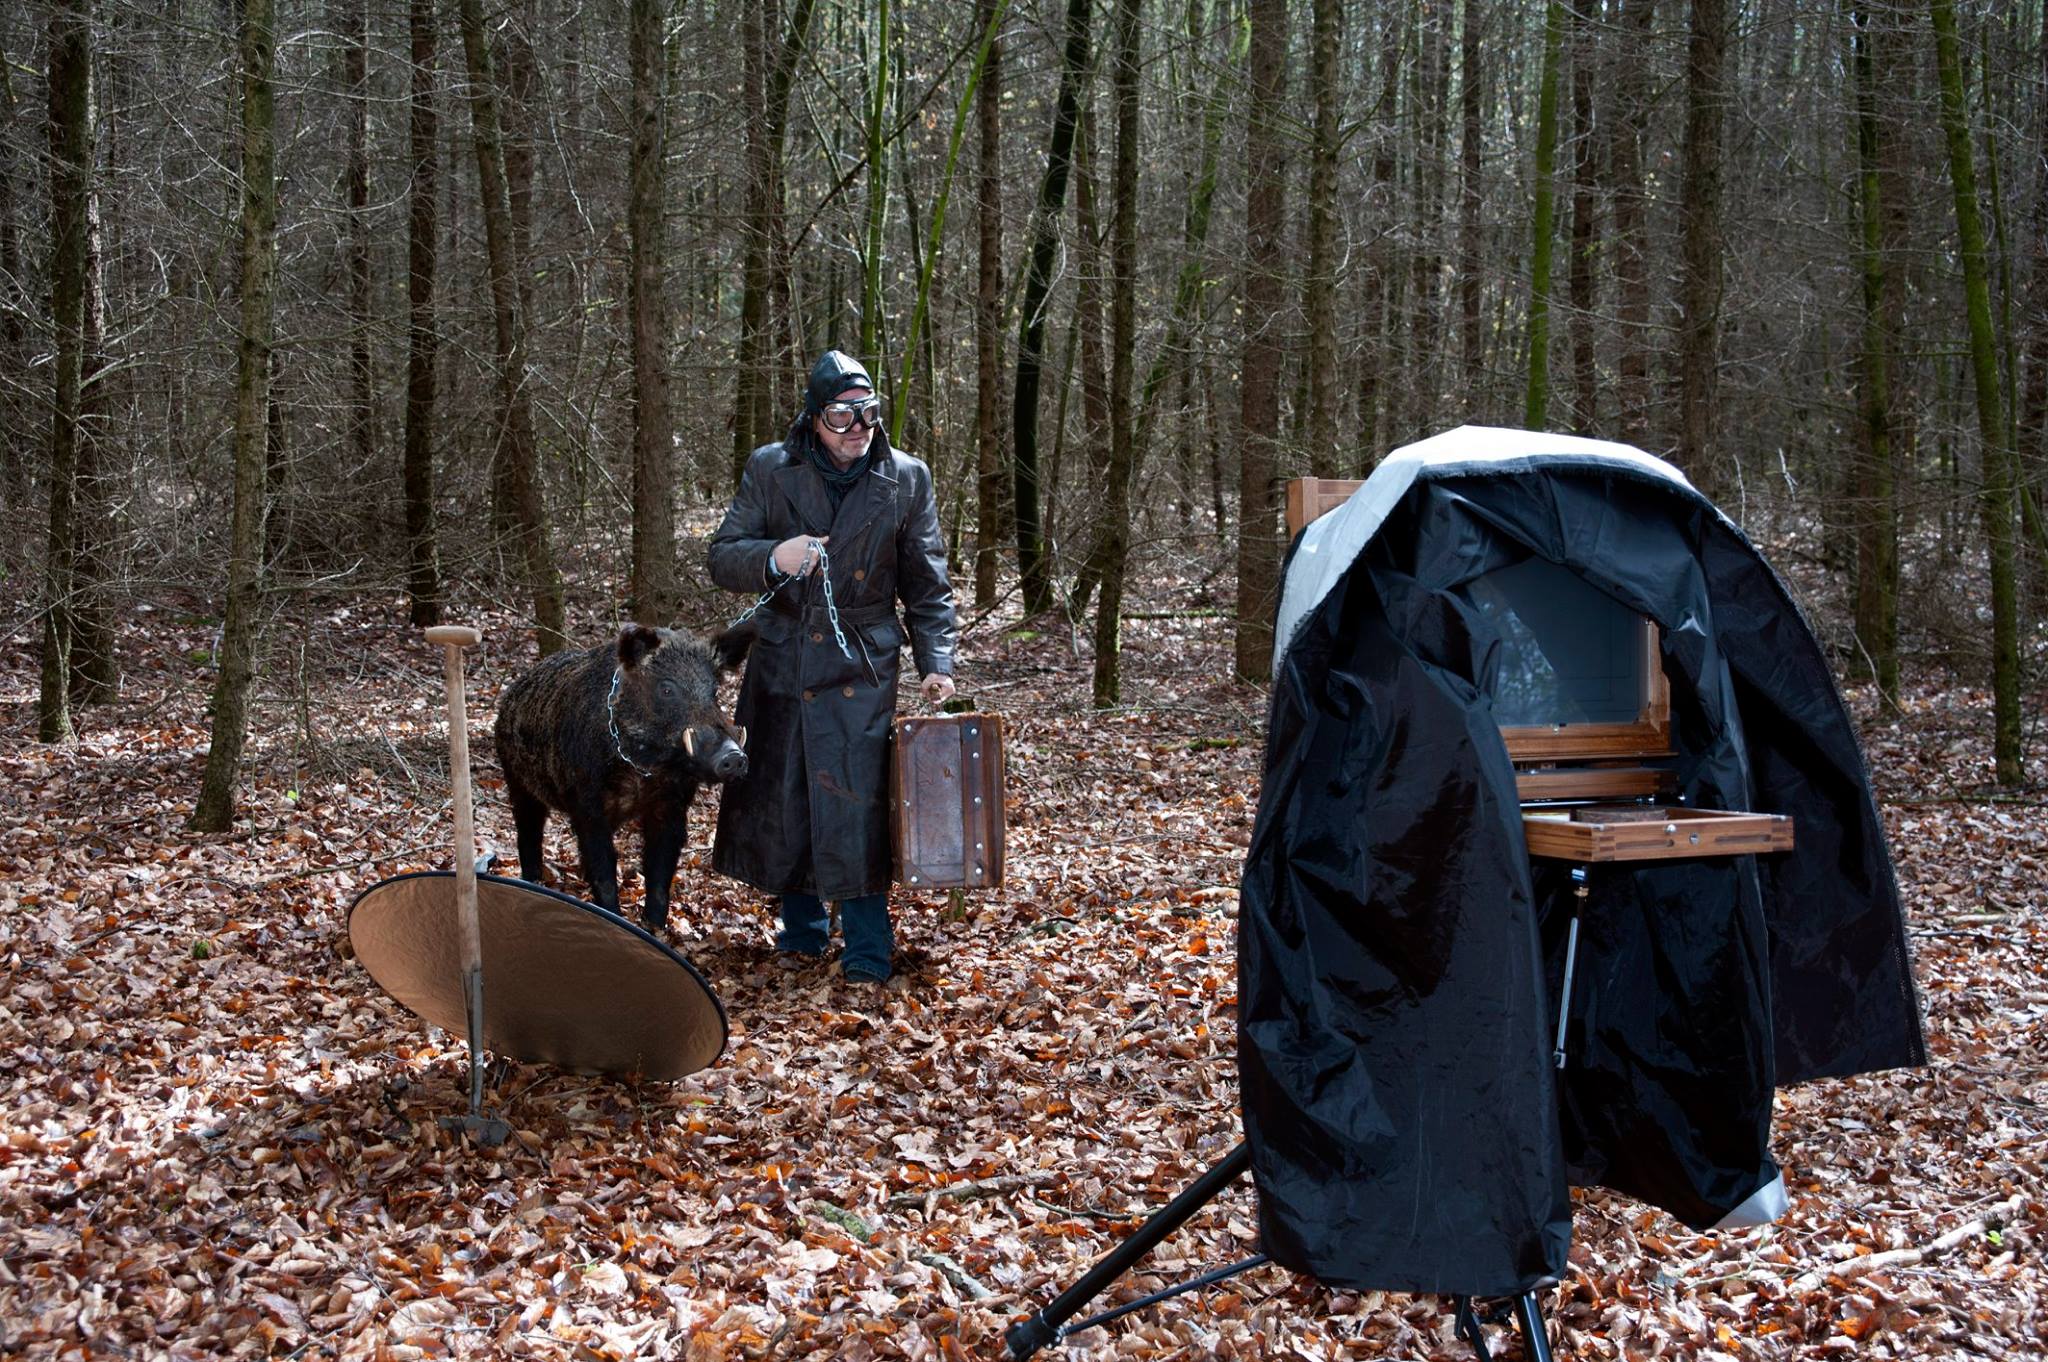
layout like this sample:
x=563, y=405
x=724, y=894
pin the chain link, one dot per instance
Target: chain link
x=832, y=606
x=611, y=716
x=824, y=560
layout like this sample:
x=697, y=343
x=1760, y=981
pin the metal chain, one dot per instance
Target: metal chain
x=832, y=606
x=611, y=714
x=824, y=559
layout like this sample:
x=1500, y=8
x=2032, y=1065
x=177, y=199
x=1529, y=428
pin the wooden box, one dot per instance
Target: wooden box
x=1313, y=498
x=946, y=793
x=1643, y=832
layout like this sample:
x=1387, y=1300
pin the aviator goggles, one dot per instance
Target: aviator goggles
x=841, y=417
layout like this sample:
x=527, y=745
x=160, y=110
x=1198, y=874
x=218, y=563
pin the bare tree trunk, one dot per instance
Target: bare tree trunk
x=515, y=95
x=71, y=162
x=516, y=451
x=1427, y=321
x=17, y=423
x=423, y=568
x=1319, y=288
x=1580, y=279
x=2032, y=449
x=1092, y=348
x=751, y=423
x=215, y=810
x=1123, y=359
x=1258, y=536
x=871, y=335
x=1631, y=249
x=781, y=79
x=920, y=346
x=362, y=413
x=1177, y=355
x=1875, y=483
x=1032, y=561
x=1996, y=505
x=769, y=73
x=95, y=667
x=1472, y=249
x=1377, y=362
x=277, y=499
x=988, y=317
x=518, y=117
x=921, y=342
x=1536, y=398
x=1700, y=266
x=652, y=594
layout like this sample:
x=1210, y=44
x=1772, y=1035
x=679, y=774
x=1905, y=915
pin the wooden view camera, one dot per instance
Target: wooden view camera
x=1585, y=711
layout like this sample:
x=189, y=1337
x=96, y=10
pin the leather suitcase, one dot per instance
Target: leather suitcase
x=946, y=795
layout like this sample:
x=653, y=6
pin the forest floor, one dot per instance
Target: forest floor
x=219, y=1138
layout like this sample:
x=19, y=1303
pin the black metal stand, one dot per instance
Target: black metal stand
x=490, y=1131
x=1049, y=1325
x=1535, y=1340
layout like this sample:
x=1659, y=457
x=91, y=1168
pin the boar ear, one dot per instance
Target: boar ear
x=731, y=647
x=636, y=641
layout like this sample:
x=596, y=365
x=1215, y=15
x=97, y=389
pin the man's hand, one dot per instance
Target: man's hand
x=795, y=557
x=936, y=688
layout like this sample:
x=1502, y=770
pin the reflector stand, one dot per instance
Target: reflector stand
x=571, y=984
x=489, y=1131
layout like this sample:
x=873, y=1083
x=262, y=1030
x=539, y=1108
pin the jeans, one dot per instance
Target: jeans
x=864, y=921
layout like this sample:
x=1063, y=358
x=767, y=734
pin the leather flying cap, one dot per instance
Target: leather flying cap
x=832, y=375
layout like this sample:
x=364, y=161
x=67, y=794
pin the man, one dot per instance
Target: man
x=841, y=527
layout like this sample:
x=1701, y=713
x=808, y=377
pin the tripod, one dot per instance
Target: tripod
x=1049, y=1325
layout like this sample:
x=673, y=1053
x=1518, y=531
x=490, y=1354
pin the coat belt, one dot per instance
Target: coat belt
x=848, y=614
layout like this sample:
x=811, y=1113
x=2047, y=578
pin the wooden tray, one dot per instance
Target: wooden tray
x=1650, y=832
x=1594, y=781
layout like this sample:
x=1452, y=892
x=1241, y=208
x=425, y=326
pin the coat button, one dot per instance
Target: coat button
x=817, y=637
x=860, y=574
x=847, y=692
x=808, y=697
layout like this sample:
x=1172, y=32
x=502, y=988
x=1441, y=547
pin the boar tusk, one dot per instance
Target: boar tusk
x=743, y=735
x=690, y=741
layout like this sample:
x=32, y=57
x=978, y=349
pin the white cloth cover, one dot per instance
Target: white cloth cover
x=1330, y=543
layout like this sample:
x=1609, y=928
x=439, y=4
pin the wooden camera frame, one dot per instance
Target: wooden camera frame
x=1561, y=765
x=1601, y=760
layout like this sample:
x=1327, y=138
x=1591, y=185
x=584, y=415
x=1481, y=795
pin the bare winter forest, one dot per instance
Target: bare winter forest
x=325, y=320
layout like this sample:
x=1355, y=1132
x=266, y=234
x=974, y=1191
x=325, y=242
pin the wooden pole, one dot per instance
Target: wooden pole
x=453, y=638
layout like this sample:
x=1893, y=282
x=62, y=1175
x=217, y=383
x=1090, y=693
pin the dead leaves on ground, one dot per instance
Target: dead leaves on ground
x=219, y=1139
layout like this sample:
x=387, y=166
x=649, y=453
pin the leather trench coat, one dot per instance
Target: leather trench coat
x=812, y=813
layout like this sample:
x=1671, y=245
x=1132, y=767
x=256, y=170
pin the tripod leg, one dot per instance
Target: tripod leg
x=1535, y=1340
x=1027, y=1337
x=1468, y=1327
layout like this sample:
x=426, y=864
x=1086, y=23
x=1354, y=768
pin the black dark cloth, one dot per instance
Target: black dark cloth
x=811, y=815
x=1399, y=957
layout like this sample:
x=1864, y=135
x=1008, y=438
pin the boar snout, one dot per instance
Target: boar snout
x=728, y=762
x=725, y=760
